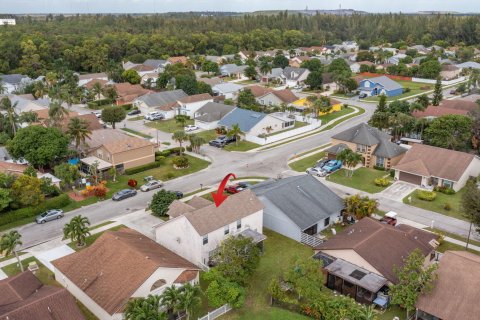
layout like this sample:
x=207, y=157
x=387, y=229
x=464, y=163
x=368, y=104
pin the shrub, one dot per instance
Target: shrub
x=159, y=158
x=145, y=167
x=180, y=162
x=164, y=153
x=379, y=168
x=161, y=201
x=53, y=203
x=4, y=138
x=189, y=148
x=382, y=182
x=445, y=190
x=127, y=107
x=426, y=195
x=132, y=183
x=176, y=151
x=447, y=206
x=98, y=104
x=407, y=89
x=170, y=175
x=392, y=173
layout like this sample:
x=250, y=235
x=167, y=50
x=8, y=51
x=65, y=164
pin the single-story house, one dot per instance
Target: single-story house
x=118, y=266
x=208, y=116
x=256, y=123
x=190, y=104
x=450, y=72
x=24, y=104
x=83, y=79
x=258, y=90
x=179, y=59
x=119, y=149
x=54, y=180
x=197, y=228
x=24, y=297
x=294, y=76
x=165, y=102
x=14, y=82
x=274, y=74
x=297, y=61
x=430, y=166
x=233, y=71
x=277, y=97
x=90, y=84
x=380, y=85
x=432, y=112
x=90, y=119
x=328, y=81
x=374, y=145
x=455, y=293
x=10, y=167
x=355, y=67
x=158, y=65
x=396, y=58
x=127, y=93
x=298, y=207
x=228, y=90
x=469, y=65
x=359, y=261
x=467, y=103
x=151, y=77
x=211, y=81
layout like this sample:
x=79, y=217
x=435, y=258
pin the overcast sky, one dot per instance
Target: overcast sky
x=150, y=6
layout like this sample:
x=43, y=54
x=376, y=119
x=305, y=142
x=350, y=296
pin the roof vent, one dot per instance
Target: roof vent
x=147, y=257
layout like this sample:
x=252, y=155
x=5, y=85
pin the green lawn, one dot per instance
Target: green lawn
x=334, y=115
x=438, y=204
x=415, y=88
x=362, y=179
x=298, y=124
x=206, y=135
x=138, y=133
x=43, y=274
x=170, y=125
x=307, y=162
x=137, y=118
x=241, y=146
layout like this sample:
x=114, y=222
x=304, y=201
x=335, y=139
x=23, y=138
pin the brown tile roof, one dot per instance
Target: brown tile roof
x=455, y=295
x=12, y=168
x=211, y=81
x=186, y=276
x=24, y=297
x=459, y=104
x=381, y=245
x=89, y=85
x=178, y=208
x=367, y=63
x=449, y=67
x=43, y=114
x=259, y=91
x=180, y=59
x=437, y=111
x=116, y=265
x=142, y=68
x=196, y=98
x=286, y=95
x=438, y=162
x=115, y=141
x=168, y=106
x=128, y=92
x=199, y=202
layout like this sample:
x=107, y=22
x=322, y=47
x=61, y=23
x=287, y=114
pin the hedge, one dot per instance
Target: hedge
x=145, y=167
x=127, y=107
x=426, y=195
x=98, y=104
x=382, y=182
x=53, y=203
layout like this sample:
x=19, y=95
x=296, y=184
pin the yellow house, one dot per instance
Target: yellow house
x=302, y=103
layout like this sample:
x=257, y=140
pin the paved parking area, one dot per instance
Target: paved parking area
x=141, y=221
x=398, y=190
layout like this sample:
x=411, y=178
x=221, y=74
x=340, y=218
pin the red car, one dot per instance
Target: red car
x=236, y=188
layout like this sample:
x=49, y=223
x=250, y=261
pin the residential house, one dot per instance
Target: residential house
x=449, y=72
x=469, y=65
x=349, y=46
x=24, y=297
x=432, y=112
x=83, y=79
x=274, y=75
x=430, y=166
x=380, y=85
x=90, y=119
x=253, y=123
x=196, y=229
x=10, y=22
x=296, y=62
x=328, y=81
x=258, y=91
x=277, y=98
x=158, y=65
x=114, y=148
x=11, y=167
x=90, y=84
x=118, y=266
x=421, y=49
x=298, y=207
x=14, y=82
x=301, y=104
x=233, y=71
x=150, y=77
x=208, y=116
x=143, y=69
x=165, y=102
x=211, y=81
x=375, y=146
x=294, y=76
x=190, y=104
x=228, y=90
x=355, y=67
x=180, y=59
x=396, y=58
x=127, y=93
x=219, y=59
x=455, y=293
x=467, y=103
x=25, y=104
x=359, y=261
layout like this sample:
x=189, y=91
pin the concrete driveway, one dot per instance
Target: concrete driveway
x=398, y=190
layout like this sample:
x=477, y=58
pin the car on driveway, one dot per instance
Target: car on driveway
x=150, y=185
x=124, y=194
x=152, y=116
x=190, y=127
x=362, y=95
x=236, y=188
x=321, y=163
x=49, y=215
x=179, y=194
x=97, y=114
x=332, y=166
x=222, y=141
x=315, y=171
x=134, y=112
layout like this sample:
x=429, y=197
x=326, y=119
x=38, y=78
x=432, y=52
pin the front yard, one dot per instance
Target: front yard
x=334, y=115
x=438, y=205
x=241, y=146
x=170, y=125
x=307, y=162
x=362, y=179
x=415, y=88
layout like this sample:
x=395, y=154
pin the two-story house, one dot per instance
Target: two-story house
x=196, y=229
x=375, y=146
x=189, y=105
x=294, y=76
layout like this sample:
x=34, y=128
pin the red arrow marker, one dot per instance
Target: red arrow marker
x=219, y=197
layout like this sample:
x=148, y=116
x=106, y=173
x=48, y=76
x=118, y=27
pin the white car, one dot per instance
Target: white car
x=316, y=171
x=155, y=115
x=97, y=114
x=150, y=185
x=190, y=127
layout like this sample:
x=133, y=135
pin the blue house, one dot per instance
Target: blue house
x=380, y=85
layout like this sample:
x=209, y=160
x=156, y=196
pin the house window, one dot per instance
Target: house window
x=361, y=148
x=326, y=222
x=270, y=103
x=205, y=239
x=380, y=162
x=239, y=224
x=262, y=102
x=226, y=230
x=448, y=183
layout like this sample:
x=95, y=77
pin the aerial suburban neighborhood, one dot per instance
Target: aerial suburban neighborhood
x=204, y=160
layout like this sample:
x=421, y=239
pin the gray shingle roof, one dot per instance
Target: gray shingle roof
x=304, y=199
x=245, y=119
x=154, y=63
x=469, y=64
x=386, y=82
x=227, y=87
x=162, y=98
x=232, y=68
x=213, y=111
x=292, y=73
x=336, y=149
x=12, y=78
x=388, y=149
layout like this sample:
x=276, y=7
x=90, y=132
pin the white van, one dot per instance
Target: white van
x=154, y=115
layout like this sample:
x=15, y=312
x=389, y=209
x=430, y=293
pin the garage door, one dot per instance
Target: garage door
x=412, y=178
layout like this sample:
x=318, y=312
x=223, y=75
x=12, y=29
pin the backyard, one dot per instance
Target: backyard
x=307, y=162
x=362, y=179
x=438, y=205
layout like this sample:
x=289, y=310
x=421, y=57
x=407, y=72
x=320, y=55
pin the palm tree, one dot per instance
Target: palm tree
x=144, y=309
x=39, y=89
x=180, y=137
x=9, y=108
x=28, y=117
x=3, y=89
x=424, y=101
x=196, y=142
x=235, y=131
x=350, y=159
x=9, y=243
x=359, y=206
x=78, y=131
x=189, y=298
x=181, y=120
x=77, y=230
x=56, y=113
x=265, y=67
x=97, y=89
x=170, y=299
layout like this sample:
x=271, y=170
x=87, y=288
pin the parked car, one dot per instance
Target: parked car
x=154, y=115
x=97, y=114
x=321, y=163
x=362, y=95
x=124, y=194
x=236, y=188
x=332, y=165
x=134, y=112
x=390, y=218
x=150, y=185
x=49, y=215
x=179, y=194
x=315, y=171
x=222, y=141
x=190, y=127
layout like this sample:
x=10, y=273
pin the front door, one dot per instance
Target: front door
x=311, y=231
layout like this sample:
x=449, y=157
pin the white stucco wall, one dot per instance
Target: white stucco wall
x=266, y=122
x=189, y=109
x=473, y=170
x=167, y=274
x=206, y=125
